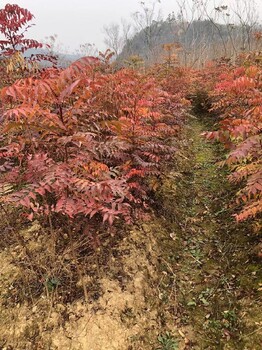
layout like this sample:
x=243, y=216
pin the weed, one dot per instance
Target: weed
x=52, y=283
x=192, y=303
x=205, y=295
x=229, y=319
x=127, y=315
x=197, y=255
x=167, y=342
x=214, y=325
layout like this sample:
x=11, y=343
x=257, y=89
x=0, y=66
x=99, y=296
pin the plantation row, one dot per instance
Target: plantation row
x=84, y=141
x=237, y=101
x=91, y=142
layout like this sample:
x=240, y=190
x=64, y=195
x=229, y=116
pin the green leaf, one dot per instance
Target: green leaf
x=191, y=303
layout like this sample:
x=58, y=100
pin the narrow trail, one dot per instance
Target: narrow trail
x=217, y=279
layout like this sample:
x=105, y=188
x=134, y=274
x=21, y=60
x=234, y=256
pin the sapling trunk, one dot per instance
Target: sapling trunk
x=78, y=268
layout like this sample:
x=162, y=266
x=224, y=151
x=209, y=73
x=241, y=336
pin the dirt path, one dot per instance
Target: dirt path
x=187, y=279
x=217, y=277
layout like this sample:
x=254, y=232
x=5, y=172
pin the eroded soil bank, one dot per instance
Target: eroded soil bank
x=187, y=279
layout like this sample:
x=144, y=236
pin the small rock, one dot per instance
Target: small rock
x=60, y=307
x=34, y=309
x=187, y=341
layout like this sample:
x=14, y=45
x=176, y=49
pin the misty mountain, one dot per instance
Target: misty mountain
x=194, y=40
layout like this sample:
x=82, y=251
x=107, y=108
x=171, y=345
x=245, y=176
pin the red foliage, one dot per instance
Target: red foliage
x=13, y=24
x=238, y=100
x=80, y=141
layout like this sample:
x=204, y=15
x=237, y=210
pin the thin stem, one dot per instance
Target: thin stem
x=79, y=271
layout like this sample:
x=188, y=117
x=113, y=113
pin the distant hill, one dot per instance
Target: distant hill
x=63, y=59
x=197, y=41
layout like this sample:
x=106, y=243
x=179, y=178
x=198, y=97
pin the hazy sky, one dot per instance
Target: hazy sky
x=81, y=21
